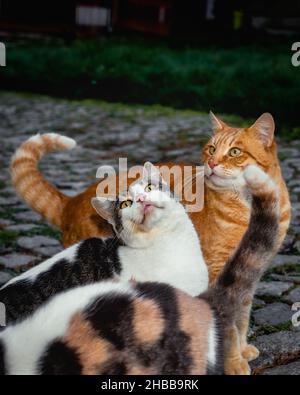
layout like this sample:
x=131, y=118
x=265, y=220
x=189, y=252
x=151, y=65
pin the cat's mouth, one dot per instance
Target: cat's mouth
x=147, y=209
x=214, y=176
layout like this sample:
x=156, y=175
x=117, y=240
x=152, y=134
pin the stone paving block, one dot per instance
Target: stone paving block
x=4, y=223
x=293, y=296
x=283, y=259
x=272, y=288
x=28, y=216
x=276, y=348
x=292, y=277
x=49, y=251
x=292, y=369
x=36, y=241
x=4, y=277
x=16, y=261
x=22, y=227
x=273, y=314
x=9, y=201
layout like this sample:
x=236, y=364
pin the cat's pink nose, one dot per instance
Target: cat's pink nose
x=212, y=164
x=141, y=197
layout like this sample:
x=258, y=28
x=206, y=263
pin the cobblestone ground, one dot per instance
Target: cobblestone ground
x=105, y=132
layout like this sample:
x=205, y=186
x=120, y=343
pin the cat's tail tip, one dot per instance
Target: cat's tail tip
x=59, y=142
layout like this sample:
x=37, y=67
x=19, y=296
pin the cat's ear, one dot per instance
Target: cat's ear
x=264, y=127
x=216, y=123
x=104, y=207
x=151, y=173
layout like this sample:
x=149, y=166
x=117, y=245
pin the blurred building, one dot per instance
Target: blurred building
x=160, y=17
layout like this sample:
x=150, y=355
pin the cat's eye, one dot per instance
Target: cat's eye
x=212, y=150
x=149, y=188
x=235, y=152
x=125, y=204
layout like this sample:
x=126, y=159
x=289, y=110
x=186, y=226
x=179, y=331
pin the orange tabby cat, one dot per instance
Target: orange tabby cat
x=220, y=225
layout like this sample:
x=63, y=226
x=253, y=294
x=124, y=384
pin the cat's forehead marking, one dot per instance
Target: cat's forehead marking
x=226, y=138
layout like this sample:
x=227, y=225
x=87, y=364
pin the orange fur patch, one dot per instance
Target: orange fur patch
x=195, y=320
x=93, y=351
x=148, y=323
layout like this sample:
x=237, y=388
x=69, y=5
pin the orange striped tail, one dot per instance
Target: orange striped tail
x=30, y=184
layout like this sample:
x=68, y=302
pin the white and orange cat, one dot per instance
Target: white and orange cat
x=220, y=225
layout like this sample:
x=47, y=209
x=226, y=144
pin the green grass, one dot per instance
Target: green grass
x=286, y=268
x=268, y=329
x=242, y=80
x=8, y=239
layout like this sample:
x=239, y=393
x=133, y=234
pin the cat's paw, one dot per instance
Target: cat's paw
x=256, y=178
x=237, y=366
x=250, y=352
x=255, y=175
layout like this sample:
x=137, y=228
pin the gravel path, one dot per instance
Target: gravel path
x=105, y=132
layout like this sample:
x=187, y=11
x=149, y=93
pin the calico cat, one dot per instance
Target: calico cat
x=155, y=240
x=147, y=328
x=221, y=223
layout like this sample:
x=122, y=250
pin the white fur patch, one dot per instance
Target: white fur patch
x=173, y=255
x=254, y=174
x=21, y=153
x=25, y=342
x=212, y=345
x=36, y=138
x=256, y=178
x=64, y=141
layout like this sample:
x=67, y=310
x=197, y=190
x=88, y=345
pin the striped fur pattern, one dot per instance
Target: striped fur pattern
x=28, y=181
x=155, y=241
x=147, y=328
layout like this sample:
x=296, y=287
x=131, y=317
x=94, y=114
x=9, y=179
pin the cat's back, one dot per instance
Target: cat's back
x=143, y=328
x=88, y=261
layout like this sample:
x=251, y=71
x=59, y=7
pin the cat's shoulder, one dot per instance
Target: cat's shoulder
x=98, y=244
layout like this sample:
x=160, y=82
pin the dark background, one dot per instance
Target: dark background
x=233, y=56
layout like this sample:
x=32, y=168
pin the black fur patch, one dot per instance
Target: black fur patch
x=96, y=259
x=2, y=359
x=116, y=368
x=59, y=359
x=171, y=354
x=227, y=278
x=111, y=317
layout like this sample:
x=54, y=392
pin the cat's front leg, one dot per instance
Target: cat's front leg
x=248, y=351
x=234, y=362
